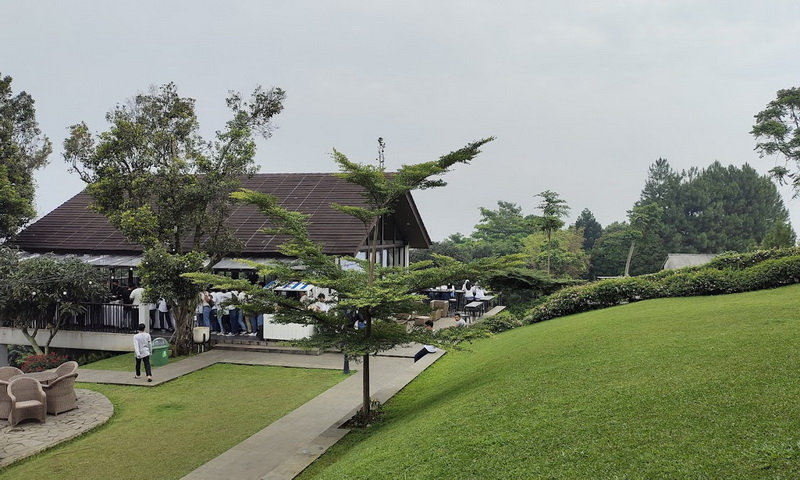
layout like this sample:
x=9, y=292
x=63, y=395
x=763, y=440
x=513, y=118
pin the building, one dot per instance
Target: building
x=73, y=229
x=681, y=260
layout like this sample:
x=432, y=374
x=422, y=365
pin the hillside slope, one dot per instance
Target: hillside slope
x=703, y=387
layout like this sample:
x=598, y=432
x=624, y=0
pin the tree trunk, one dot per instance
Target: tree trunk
x=32, y=339
x=549, y=251
x=630, y=256
x=184, y=320
x=365, y=407
x=346, y=366
x=53, y=331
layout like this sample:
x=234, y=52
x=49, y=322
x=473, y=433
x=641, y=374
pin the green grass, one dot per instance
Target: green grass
x=167, y=431
x=125, y=362
x=703, y=387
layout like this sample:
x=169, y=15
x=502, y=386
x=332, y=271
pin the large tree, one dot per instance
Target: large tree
x=565, y=253
x=381, y=295
x=641, y=218
x=498, y=232
x=165, y=187
x=23, y=149
x=777, y=132
x=590, y=227
x=710, y=210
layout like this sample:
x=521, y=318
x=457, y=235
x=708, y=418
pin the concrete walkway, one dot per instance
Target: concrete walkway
x=183, y=367
x=287, y=446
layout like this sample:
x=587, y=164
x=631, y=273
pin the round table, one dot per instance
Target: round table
x=41, y=377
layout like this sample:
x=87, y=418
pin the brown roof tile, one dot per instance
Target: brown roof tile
x=73, y=227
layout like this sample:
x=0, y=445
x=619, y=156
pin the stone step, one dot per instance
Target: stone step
x=266, y=348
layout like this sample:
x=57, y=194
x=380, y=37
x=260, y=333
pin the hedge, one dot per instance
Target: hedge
x=730, y=273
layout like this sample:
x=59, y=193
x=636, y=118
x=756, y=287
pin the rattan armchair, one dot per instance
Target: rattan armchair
x=7, y=372
x=5, y=400
x=27, y=400
x=61, y=394
x=66, y=368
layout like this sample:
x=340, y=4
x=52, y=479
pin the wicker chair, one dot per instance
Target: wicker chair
x=66, y=368
x=61, y=394
x=27, y=400
x=7, y=372
x=5, y=400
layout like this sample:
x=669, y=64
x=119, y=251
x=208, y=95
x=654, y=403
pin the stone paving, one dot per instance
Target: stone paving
x=31, y=437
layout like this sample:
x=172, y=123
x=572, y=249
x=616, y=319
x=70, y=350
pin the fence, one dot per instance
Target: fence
x=96, y=317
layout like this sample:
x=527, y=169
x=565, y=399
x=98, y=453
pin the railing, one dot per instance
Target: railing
x=97, y=317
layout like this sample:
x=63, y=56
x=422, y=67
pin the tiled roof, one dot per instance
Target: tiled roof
x=73, y=227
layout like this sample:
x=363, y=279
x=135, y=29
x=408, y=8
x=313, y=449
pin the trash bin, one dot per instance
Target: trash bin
x=160, y=355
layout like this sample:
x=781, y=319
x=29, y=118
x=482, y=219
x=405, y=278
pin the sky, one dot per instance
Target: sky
x=582, y=96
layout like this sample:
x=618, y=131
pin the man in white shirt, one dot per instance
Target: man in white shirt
x=141, y=348
x=459, y=321
x=137, y=294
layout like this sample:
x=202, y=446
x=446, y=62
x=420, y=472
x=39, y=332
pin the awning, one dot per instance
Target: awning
x=295, y=287
x=108, y=261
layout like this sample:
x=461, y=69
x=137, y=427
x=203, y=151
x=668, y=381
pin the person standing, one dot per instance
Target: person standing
x=164, y=320
x=141, y=348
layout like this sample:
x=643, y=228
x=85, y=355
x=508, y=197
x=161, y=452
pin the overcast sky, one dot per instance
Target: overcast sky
x=582, y=96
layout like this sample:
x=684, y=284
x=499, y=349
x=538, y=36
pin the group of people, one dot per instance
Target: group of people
x=218, y=309
x=132, y=298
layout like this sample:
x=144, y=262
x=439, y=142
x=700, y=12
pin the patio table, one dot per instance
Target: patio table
x=42, y=377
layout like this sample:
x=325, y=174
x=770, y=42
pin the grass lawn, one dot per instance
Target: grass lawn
x=125, y=362
x=167, y=431
x=703, y=387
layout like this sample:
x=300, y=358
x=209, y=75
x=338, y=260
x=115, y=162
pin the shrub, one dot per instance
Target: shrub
x=740, y=261
x=772, y=268
x=501, y=322
x=40, y=363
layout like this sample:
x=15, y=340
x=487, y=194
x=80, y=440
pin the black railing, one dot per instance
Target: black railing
x=96, y=317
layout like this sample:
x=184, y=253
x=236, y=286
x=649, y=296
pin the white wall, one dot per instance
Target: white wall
x=117, y=342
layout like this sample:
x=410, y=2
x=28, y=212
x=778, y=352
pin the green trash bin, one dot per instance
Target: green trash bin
x=160, y=355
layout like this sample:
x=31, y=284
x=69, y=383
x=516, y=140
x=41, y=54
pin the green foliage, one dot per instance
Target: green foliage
x=732, y=273
x=158, y=180
x=564, y=251
x=162, y=274
x=32, y=290
x=712, y=210
x=781, y=235
x=498, y=232
x=381, y=295
x=553, y=209
x=165, y=187
x=778, y=133
x=501, y=322
x=590, y=227
x=608, y=255
x=23, y=150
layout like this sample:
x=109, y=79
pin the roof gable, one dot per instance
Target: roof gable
x=73, y=227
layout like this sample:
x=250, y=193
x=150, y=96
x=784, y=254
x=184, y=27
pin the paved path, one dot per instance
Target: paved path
x=30, y=437
x=287, y=446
